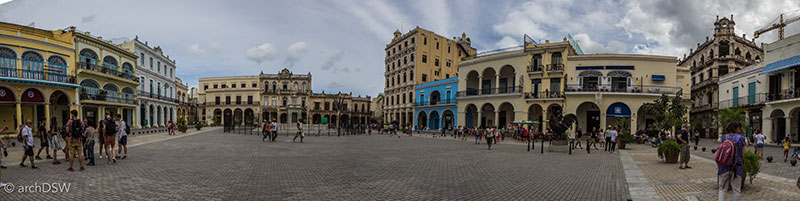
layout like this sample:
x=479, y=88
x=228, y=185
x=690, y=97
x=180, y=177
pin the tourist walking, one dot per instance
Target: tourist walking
x=578, y=137
x=109, y=130
x=274, y=129
x=265, y=131
x=5, y=152
x=490, y=134
x=477, y=133
x=75, y=128
x=731, y=175
x=786, y=147
x=299, y=133
x=683, y=140
x=601, y=136
x=90, y=134
x=760, y=144
x=122, y=131
x=594, y=138
x=613, y=140
x=101, y=137
x=43, y=142
x=27, y=144
x=55, y=140
x=608, y=138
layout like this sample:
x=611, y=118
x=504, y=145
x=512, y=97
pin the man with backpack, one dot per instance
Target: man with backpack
x=75, y=129
x=110, y=129
x=729, y=161
x=123, y=137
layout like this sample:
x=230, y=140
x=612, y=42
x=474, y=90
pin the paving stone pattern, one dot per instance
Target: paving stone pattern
x=221, y=166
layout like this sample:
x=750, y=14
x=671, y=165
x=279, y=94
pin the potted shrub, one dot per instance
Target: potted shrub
x=751, y=165
x=624, y=136
x=198, y=126
x=669, y=150
x=182, y=125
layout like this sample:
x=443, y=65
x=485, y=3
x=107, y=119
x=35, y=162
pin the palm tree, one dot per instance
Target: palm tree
x=731, y=114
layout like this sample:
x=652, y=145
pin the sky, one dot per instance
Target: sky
x=341, y=42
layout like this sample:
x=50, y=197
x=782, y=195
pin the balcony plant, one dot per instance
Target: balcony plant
x=669, y=150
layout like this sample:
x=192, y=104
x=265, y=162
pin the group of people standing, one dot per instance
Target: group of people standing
x=79, y=136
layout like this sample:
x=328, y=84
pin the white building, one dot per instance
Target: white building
x=782, y=72
x=158, y=103
x=745, y=88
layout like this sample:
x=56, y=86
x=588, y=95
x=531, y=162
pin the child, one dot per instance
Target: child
x=785, y=149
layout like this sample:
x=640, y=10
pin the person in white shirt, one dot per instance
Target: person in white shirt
x=760, y=144
x=274, y=129
x=27, y=143
x=613, y=139
x=123, y=137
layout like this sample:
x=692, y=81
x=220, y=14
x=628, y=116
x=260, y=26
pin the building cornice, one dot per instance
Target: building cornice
x=148, y=49
x=745, y=72
x=81, y=37
x=629, y=57
x=493, y=57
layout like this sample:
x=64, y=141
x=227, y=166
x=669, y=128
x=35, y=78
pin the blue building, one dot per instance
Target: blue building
x=436, y=104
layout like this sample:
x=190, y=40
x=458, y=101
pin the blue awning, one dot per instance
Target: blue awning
x=659, y=78
x=618, y=110
x=782, y=64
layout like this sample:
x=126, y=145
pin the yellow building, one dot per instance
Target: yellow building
x=355, y=110
x=37, y=75
x=230, y=99
x=499, y=87
x=417, y=57
x=107, y=85
x=182, y=97
x=285, y=96
x=601, y=88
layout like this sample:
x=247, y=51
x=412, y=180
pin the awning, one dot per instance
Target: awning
x=782, y=64
x=618, y=110
x=659, y=78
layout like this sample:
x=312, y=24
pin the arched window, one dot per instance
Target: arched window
x=88, y=56
x=536, y=62
x=127, y=68
x=112, y=92
x=33, y=65
x=304, y=87
x=58, y=68
x=285, y=101
x=32, y=56
x=274, y=86
x=57, y=60
x=7, y=52
x=295, y=86
x=724, y=49
x=110, y=62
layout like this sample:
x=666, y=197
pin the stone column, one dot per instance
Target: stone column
x=544, y=118
x=497, y=118
x=788, y=120
x=497, y=82
x=47, y=115
x=480, y=86
x=478, y=119
x=19, y=114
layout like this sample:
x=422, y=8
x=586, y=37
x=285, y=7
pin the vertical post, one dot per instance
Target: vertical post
x=47, y=115
x=19, y=115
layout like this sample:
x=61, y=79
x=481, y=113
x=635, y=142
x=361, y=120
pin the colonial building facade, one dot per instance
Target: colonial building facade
x=782, y=72
x=498, y=88
x=182, y=98
x=418, y=57
x=107, y=77
x=718, y=56
x=602, y=89
x=745, y=88
x=156, y=91
x=37, y=75
x=435, y=108
x=284, y=97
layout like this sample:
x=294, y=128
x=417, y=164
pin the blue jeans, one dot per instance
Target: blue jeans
x=91, y=151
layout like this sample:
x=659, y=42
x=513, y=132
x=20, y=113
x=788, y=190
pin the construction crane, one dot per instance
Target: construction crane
x=779, y=23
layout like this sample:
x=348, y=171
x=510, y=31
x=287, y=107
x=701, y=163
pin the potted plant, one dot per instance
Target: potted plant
x=624, y=136
x=751, y=165
x=669, y=150
x=182, y=125
x=101, y=95
x=198, y=126
x=216, y=120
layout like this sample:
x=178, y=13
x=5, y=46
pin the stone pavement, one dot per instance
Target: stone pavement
x=222, y=166
x=777, y=167
x=700, y=183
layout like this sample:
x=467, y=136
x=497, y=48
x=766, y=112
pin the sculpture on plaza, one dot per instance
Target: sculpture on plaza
x=559, y=123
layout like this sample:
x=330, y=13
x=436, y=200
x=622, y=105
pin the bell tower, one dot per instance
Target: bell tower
x=724, y=26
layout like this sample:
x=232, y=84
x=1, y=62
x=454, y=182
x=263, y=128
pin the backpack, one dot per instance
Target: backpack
x=76, y=129
x=128, y=128
x=111, y=129
x=726, y=153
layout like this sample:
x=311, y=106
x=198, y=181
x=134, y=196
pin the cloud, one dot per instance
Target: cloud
x=588, y=46
x=262, y=53
x=330, y=63
x=88, y=19
x=506, y=42
x=294, y=53
x=195, y=49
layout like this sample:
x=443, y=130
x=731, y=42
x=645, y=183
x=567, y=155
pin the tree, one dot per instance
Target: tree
x=731, y=114
x=670, y=113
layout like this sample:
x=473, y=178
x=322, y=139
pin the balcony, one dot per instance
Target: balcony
x=535, y=69
x=89, y=93
x=34, y=70
x=615, y=88
x=542, y=95
x=744, y=101
x=704, y=83
x=783, y=95
x=439, y=102
x=143, y=94
x=555, y=68
x=109, y=70
x=285, y=91
x=514, y=90
x=704, y=107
